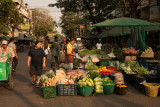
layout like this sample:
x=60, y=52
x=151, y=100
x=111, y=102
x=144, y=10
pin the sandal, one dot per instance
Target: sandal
x=33, y=82
x=37, y=86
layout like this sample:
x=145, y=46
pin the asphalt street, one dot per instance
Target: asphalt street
x=26, y=95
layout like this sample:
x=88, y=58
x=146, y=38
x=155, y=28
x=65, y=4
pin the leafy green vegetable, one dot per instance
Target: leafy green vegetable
x=93, y=74
x=142, y=71
x=91, y=67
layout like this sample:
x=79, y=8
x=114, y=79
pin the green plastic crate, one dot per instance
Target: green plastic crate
x=49, y=92
x=5, y=68
x=85, y=91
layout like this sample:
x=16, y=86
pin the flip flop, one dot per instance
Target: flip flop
x=37, y=86
x=33, y=82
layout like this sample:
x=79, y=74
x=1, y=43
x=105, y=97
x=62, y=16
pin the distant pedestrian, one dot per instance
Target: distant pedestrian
x=46, y=48
x=99, y=45
x=15, y=59
x=36, y=62
x=55, y=53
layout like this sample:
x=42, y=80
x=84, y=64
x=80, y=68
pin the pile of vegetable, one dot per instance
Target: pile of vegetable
x=65, y=81
x=103, y=56
x=76, y=63
x=101, y=69
x=47, y=79
x=93, y=74
x=85, y=82
x=76, y=74
x=148, y=53
x=120, y=85
x=91, y=67
x=142, y=71
x=130, y=51
x=118, y=53
x=134, y=65
x=93, y=58
x=49, y=82
x=107, y=80
x=67, y=67
x=91, y=52
x=98, y=85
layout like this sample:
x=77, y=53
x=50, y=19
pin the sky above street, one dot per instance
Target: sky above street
x=53, y=11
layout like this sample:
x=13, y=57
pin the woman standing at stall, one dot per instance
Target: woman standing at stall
x=70, y=54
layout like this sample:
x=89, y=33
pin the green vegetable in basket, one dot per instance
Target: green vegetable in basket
x=98, y=83
x=88, y=83
x=82, y=83
x=98, y=87
x=97, y=79
x=93, y=74
x=91, y=67
x=99, y=91
x=76, y=63
x=142, y=71
x=84, y=79
x=90, y=80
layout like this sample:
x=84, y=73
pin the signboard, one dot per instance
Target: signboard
x=25, y=26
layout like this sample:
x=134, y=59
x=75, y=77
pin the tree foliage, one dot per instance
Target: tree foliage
x=43, y=23
x=10, y=17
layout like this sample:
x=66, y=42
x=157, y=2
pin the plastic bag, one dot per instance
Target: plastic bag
x=61, y=57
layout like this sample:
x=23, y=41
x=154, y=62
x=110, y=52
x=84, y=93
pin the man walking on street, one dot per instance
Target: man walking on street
x=15, y=59
x=36, y=62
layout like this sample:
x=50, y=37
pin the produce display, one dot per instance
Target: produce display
x=93, y=74
x=91, y=67
x=103, y=56
x=65, y=81
x=134, y=65
x=118, y=53
x=94, y=58
x=142, y=71
x=47, y=79
x=76, y=74
x=107, y=80
x=98, y=85
x=86, y=82
x=121, y=85
x=148, y=53
x=91, y=52
x=101, y=69
x=67, y=67
x=130, y=51
x=76, y=63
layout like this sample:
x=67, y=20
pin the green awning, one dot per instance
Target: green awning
x=123, y=22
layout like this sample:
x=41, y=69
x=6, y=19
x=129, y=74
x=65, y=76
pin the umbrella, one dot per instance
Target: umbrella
x=122, y=22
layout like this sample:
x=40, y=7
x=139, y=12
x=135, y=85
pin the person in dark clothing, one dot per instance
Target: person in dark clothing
x=36, y=62
x=89, y=45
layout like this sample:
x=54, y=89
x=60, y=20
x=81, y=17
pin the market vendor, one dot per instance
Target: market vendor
x=70, y=55
x=6, y=51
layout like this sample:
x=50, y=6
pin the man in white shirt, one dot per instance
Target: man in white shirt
x=15, y=59
x=99, y=45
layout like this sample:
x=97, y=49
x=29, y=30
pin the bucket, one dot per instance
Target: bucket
x=108, y=89
x=85, y=91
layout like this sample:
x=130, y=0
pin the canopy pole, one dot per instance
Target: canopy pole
x=143, y=35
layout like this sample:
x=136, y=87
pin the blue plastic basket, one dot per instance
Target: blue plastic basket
x=67, y=90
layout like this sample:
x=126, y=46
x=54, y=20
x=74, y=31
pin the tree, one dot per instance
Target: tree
x=96, y=10
x=70, y=22
x=131, y=6
x=10, y=17
x=43, y=23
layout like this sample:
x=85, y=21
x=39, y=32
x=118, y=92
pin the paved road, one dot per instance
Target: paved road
x=25, y=95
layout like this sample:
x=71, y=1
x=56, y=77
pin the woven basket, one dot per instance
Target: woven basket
x=151, y=89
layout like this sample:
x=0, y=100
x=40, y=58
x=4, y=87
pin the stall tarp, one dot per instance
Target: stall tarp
x=122, y=22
